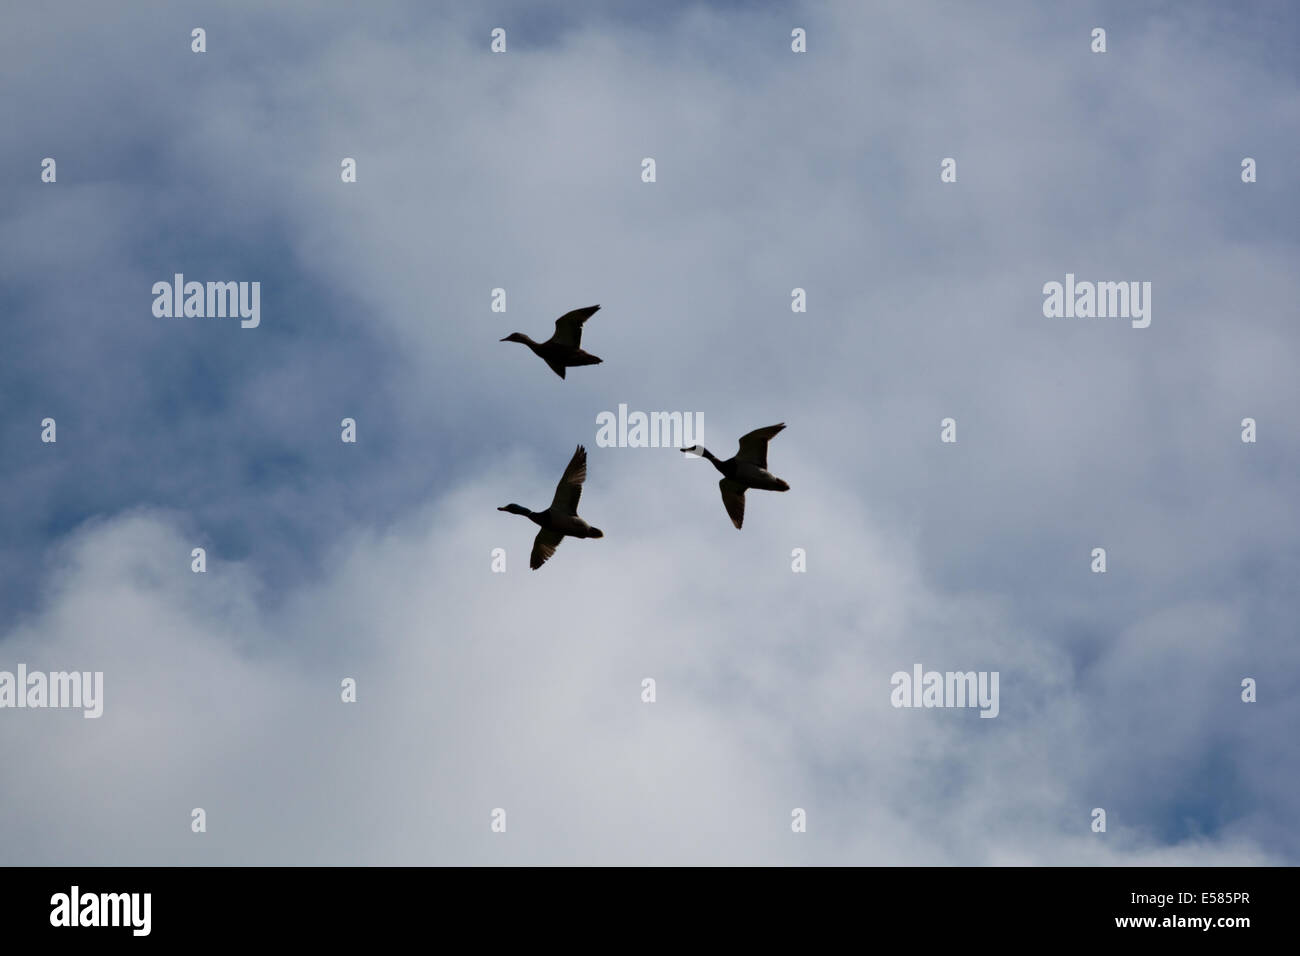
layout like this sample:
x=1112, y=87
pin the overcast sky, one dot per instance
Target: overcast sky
x=775, y=170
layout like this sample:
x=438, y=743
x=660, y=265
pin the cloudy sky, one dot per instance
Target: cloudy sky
x=775, y=170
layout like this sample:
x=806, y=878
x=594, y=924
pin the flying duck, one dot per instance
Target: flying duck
x=748, y=469
x=561, y=518
x=563, y=349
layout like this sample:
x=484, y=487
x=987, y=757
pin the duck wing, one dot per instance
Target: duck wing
x=568, y=327
x=753, y=447
x=569, y=490
x=733, y=499
x=544, y=546
x=556, y=365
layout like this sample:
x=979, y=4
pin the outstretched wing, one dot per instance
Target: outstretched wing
x=544, y=546
x=569, y=490
x=568, y=327
x=753, y=447
x=733, y=499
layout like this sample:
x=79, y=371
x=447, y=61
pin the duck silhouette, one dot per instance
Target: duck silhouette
x=564, y=348
x=746, y=469
x=561, y=519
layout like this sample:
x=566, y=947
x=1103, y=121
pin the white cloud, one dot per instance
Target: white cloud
x=521, y=690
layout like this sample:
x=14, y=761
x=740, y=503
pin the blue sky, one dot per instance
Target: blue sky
x=775, y=170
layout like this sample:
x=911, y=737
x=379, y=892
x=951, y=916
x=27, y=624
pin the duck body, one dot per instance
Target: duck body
x=564, y=348
x=570, y=526
x=747, y=473
x=744, y=470
x=560, y=520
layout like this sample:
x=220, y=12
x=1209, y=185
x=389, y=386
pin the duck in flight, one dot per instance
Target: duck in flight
x=561, y=518
x=563, y=349
x=747, y=469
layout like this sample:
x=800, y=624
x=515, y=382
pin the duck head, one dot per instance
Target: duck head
x=515, y=509
x=517, y=337
x=699, y=451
